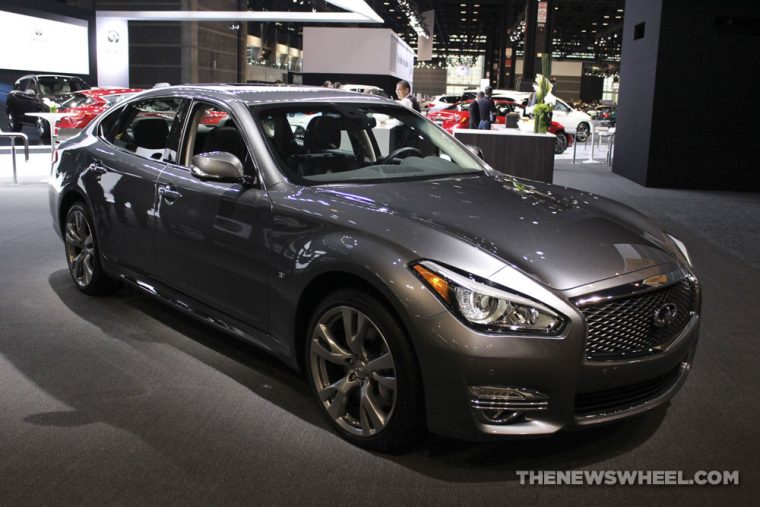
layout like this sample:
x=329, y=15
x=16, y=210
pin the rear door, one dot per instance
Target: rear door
x=212, y=237
x=121, y=179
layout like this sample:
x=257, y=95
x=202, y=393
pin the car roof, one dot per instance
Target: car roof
x=266, y=94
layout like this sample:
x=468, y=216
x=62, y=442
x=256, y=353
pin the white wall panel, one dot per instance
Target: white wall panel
x=37, y=44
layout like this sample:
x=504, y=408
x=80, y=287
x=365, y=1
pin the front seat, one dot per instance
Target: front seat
x=226, y=139
x=323, y=134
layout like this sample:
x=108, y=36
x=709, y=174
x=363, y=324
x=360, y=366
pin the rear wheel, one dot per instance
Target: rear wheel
x=43, y=129
x=363, y=372
x=82, y=255
x=13, y=125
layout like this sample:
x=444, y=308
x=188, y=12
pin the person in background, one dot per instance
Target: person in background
x=337, y=84
x=327, y=84
x=404, y=92
x=475, y=111
x=487, y=109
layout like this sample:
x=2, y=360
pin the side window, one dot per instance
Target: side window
x=561, y=106
x=211, y=128
x=144, y=126
x=27, y=84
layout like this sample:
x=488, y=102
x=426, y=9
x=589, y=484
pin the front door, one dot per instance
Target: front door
x=212, y=237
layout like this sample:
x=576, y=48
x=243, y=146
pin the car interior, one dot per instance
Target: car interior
x=145, y=126
x=336, y=141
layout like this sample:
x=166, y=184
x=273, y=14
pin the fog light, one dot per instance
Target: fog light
x=504, y=405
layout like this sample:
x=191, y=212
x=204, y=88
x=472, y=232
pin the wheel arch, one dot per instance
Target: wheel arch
x=331, y=280
x=67, y=200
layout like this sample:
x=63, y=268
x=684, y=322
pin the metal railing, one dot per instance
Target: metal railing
x=13, y=136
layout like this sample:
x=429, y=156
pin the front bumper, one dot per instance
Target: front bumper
x=577, y=392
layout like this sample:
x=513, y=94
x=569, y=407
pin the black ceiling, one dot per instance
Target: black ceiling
x=587, y=29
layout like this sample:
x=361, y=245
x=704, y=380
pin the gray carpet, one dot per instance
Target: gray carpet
x=120, y=400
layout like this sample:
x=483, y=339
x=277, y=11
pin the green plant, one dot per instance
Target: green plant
x=542, y=87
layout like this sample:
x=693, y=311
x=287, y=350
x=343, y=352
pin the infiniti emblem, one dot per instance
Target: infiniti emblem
x=665, y=315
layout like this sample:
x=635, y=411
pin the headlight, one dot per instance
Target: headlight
x=488, y=308
x=679, y=244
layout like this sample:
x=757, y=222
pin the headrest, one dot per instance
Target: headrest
x=322, y=133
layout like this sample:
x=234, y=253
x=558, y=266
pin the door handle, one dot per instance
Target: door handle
x=168, y=193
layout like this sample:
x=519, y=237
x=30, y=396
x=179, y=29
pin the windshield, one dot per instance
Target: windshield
x=77, y=100
x=58, y=85
x=360, y=143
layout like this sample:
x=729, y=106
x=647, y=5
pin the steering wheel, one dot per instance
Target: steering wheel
x=395, y=153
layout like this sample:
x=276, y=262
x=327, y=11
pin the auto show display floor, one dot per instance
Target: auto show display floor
x=121, y=400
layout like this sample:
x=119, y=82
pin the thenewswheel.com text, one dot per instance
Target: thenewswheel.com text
x=627, y=478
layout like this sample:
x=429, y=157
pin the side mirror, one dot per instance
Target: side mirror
x=475, y=151
x=217, y=166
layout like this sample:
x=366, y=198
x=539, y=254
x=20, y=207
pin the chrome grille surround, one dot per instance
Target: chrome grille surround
x=621, y=322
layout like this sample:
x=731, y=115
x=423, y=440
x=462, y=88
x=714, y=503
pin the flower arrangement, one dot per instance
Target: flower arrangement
x=542, y=88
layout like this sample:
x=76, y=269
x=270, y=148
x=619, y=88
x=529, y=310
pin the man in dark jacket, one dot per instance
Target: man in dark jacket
x=475, y=112
x=487, y=109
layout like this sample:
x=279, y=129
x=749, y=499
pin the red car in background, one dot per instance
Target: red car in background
x=87, y=104
x=458, y=117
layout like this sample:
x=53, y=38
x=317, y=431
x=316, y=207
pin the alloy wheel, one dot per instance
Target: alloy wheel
x=80, y=248
x=582, y=131
x=353, y=371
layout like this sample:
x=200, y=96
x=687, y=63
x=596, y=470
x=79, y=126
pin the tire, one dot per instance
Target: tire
x=560, y=145
x=368, y=388
x=13, y=125
x=43, y=129
x=82, y=254
x=582, y=131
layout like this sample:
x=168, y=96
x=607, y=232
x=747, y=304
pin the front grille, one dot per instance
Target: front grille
x=608, y=402
x=625, y=327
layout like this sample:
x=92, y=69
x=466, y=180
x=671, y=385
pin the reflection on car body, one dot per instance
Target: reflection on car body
x=415, y=286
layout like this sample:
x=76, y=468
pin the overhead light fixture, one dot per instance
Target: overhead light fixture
x=358, y=12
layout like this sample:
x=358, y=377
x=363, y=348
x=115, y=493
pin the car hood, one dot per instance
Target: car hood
x=564, y=238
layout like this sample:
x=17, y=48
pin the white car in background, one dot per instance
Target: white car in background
x=441, y=102
x=575, y=122
x=359, y=88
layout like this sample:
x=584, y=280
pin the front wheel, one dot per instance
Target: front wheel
x=363, y=372
x=560, y=145
x=582, y=132
x=82, y=254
